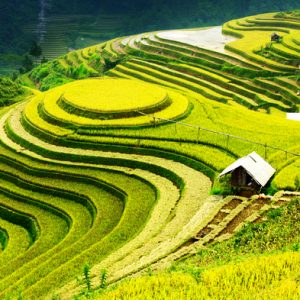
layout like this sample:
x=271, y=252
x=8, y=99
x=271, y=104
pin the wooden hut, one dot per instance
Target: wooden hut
x=249, y=174
x=275, y=37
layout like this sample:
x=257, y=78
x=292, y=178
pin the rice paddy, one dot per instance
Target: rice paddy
x=116, y=171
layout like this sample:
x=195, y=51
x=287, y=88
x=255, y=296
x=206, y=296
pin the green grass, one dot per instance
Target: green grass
x=219, y=122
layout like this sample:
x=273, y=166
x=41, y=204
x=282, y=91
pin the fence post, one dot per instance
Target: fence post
x=266, y=150
x=227, y=142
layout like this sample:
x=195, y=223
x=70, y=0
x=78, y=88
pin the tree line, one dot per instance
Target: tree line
x=138, y=15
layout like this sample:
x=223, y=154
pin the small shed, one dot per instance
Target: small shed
x=275, y=37
x=249, y=173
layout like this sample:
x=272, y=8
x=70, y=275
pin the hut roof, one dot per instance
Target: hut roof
x=274, y=34
x=255, y=166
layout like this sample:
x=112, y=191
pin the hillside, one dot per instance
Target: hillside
x=111, y=165
x=60, y=26
x=11, y=92
x=261, y=260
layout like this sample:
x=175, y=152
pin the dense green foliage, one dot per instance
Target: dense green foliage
x=194, y=13
x=9, y=91
x=13, y=15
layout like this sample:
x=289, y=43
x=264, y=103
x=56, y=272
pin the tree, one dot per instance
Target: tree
x=35, y=50
x=27, y=64
x=44, y=60
x=14, y=76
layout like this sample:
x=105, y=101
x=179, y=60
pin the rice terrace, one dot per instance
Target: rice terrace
x=110, y=161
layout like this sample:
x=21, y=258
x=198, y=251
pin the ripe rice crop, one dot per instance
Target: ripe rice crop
x=269, y=277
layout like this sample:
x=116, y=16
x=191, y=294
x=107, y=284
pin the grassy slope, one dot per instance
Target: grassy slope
x=275, y=277
x=10, y=92
x=261, y=259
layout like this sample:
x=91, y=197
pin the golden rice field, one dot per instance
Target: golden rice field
x=266, y=277
x=113, y=95
x=107, y=171
x=115, y=108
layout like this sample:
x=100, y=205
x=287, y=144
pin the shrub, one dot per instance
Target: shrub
x=87, y=276
x=222, y=186
x=53, y=80
x=103, y=279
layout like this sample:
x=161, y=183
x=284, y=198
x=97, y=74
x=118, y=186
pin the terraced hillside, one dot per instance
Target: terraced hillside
x=128, y=158
x=66, y=32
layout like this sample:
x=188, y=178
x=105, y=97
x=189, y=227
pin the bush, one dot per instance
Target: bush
x=9, y=91
x=222, y=186
x=297, y=183
x=53, y=80
x=40, y=72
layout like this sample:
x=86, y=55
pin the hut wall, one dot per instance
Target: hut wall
x=246, y=185
x=239, y=177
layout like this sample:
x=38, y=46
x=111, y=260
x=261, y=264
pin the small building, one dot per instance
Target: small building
x=275, y=37
x=249, y=174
